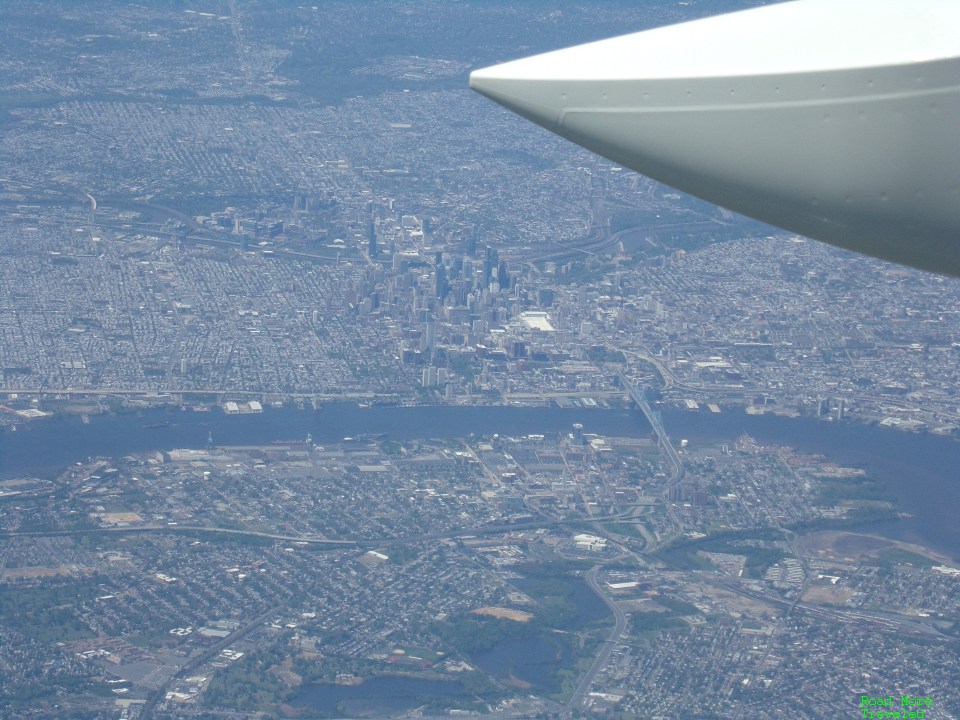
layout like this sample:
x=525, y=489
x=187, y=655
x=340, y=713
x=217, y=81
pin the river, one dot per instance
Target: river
x=45, y=447
x=920, y=471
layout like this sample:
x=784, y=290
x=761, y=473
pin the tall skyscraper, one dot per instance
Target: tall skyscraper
x=472, y=242
x=503, y=275
x=440, y=284
x=490, y=264
x=372, y=249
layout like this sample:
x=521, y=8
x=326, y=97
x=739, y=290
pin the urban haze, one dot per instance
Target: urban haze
x=332, y=389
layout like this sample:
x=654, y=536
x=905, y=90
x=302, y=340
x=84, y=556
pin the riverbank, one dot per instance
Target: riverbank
x=919, y=470
x=46, y=447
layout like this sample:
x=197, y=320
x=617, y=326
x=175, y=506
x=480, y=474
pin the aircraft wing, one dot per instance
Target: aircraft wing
x=836, y=119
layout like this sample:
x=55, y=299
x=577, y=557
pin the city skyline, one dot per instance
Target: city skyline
x=404, y=407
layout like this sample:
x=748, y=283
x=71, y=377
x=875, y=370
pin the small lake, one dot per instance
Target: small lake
x=536, y=660
x=528, y=660
x=379, y=696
